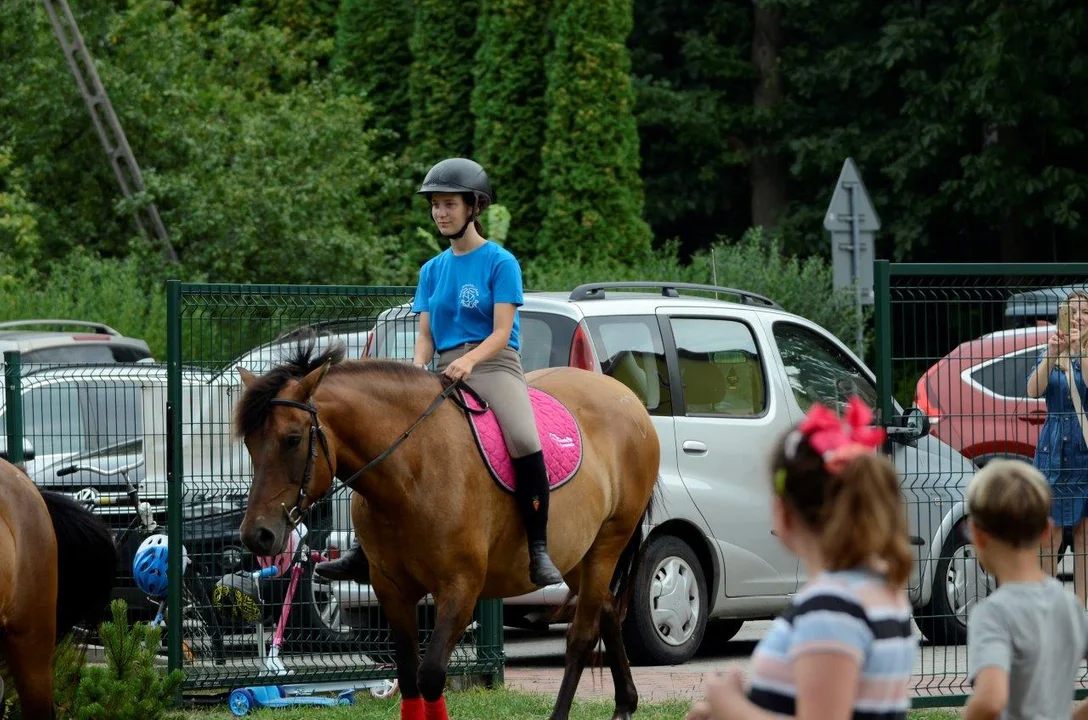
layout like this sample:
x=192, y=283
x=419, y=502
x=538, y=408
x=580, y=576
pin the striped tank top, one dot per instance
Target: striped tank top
x=852, y=612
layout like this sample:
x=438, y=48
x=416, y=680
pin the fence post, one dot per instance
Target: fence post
x=174, y=472
x=883, y=356
x=13, y=401
x=491, y=639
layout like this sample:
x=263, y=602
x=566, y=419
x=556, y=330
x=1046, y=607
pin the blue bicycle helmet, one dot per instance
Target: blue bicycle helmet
x=149, y=565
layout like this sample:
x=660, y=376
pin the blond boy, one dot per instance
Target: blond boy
x=1025, y=641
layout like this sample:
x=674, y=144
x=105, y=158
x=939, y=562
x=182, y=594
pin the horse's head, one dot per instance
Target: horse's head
x=293, y=461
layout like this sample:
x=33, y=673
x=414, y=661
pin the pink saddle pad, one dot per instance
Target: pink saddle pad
x=560, y=439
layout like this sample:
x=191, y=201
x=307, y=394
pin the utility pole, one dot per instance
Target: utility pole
x=105, y=120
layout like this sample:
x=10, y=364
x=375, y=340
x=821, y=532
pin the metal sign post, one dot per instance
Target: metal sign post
x=852, y=220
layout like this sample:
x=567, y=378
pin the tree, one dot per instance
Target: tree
x=769, y=194
x=373, y=57
x=593, y=195
x=508, y=102
x=440, y=81
x=693, y=76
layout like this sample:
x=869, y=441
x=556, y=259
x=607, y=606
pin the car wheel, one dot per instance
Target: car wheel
x=667, y=618
x=722, y=631
x=958, y=586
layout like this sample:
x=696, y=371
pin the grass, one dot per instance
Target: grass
x=482, y=705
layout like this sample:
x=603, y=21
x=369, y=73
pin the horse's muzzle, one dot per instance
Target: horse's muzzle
x=260, y=540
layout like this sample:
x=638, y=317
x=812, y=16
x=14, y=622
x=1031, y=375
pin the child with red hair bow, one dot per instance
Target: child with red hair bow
x=844, y=647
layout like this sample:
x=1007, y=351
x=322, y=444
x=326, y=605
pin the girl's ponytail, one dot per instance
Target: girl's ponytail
x=828, y=471
x=863, y=519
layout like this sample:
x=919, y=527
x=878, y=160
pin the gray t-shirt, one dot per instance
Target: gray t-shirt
x=1037, y=633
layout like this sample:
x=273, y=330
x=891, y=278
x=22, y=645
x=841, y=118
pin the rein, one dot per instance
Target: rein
x=303, y=504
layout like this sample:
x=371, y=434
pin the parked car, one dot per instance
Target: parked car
x=722, y=381
x=93, y=343
x=111, y=416
x=1028, y=308
x=976, y=396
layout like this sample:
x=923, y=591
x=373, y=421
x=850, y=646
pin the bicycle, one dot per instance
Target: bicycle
x=202, y=638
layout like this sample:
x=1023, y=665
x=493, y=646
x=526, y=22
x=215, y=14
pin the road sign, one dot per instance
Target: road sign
x=839, y=211
x=852, y=221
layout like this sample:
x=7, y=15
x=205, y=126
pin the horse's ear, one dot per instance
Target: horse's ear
x=309, y=383
x=248, y=378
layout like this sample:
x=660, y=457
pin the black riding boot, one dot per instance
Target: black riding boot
x=349, y=566
x=532, y=500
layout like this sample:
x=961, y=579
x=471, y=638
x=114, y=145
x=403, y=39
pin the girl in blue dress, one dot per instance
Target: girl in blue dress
x=1061, y=453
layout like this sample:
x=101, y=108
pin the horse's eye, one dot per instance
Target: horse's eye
x=292, y=441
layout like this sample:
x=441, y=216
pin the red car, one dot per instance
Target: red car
x=976, y=395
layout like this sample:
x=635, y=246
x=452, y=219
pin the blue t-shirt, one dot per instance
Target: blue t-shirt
x=460, y=292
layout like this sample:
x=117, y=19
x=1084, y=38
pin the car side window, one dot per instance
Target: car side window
x=53, y=420
x=1006, y=377
x=818, y=371
x=115, y=412
x=720, y=367
x=630, y=349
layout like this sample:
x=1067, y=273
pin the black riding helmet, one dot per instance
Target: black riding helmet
x=460, y=175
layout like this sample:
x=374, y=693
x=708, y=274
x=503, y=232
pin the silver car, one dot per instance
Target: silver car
x=722, y=381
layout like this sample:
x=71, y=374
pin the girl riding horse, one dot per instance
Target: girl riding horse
x=467, y=300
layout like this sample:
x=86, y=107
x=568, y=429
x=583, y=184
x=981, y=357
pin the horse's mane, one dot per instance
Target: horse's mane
x=256, y=402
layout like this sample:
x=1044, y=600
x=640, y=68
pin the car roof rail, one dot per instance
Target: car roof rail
x=100, y=328
x=595, y=291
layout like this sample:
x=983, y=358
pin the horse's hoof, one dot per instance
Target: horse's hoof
x=621, y=715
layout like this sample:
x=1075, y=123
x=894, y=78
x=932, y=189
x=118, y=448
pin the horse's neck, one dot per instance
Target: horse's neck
x=369, y=418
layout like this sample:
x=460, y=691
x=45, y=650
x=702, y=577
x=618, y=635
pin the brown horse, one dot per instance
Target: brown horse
x=58, y=564
x=427, y=513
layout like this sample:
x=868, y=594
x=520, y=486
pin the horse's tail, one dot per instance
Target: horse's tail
x=86, y=562
x=622, y=585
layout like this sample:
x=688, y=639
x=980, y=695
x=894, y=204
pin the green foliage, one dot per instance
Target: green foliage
x=592, y=200
x=20, y=241
x=508, y=103
x=130, y=687
x=804, y=287
x=693, y=75
x=253, y=182
x=440, y=84
x=373, y=57
x=958, y=114
x=68, y=662
x=496, y=223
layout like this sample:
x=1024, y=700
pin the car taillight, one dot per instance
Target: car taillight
x=369, y=345
x=581, y=351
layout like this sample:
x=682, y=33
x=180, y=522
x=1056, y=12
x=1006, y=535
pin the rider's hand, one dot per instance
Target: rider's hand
x=459, y=369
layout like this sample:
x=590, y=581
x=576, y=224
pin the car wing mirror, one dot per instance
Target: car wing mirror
x=909, y=427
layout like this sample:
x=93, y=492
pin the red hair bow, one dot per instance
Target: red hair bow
x=837, y=440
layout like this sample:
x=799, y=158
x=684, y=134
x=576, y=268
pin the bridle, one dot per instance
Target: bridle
x=303, y=503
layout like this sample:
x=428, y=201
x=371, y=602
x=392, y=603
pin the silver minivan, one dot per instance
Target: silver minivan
x=722, y=380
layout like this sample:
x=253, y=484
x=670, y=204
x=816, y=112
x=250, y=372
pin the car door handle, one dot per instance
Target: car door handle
x=1034, y=417
x=693, y=447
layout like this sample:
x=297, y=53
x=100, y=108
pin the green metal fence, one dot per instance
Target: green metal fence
x=335, y=631
x=959, y=341
x=58, y=416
